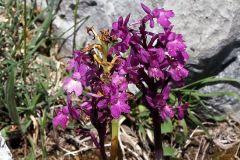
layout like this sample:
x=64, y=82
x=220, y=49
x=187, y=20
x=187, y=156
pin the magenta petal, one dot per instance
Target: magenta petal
x=166, y=92
x=182, y=111
x=185, y=55
x=60, y=120
x=65, y=110
x=115, y=112
x=126, y=20
x=174, y=74
x=164, y=22
x=161, y=55
x=119, y=108
x=71, y=64
x=155, y=73
x=120, y=21
x=144, y=56
x=156, y=13
x=146, y=9
x=76, y=75
x=102, y=103
x=150, y=101
x=169, y=13
x=167, y=112
x=146, y=18
x=94, y=95
x=70, y=85
x=151, y=23
x=75, y=113
x=115, y=25
x=183, y=72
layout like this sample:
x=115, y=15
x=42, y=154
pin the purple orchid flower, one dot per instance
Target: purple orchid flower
x=182, y=111
x=177, y=71
x=161, y=15
x=64, y=114
x=166, y=112
x=70, y=85
x=62, y=118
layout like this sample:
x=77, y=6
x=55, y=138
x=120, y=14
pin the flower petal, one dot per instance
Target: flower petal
x=60, y=120
x=70, y=85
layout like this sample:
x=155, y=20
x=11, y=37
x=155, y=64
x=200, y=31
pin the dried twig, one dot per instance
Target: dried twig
x=199, y=149
x=204, y=151
x=74, y=153
x=133, y=153
x=236, y=154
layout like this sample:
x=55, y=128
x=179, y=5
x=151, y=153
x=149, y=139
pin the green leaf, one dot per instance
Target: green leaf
x=10, y=97
x=142, y=108
x=218, y=118
x=31, y=155
x=184, y=125
x=34, y=101
x=212, y=80
x=197, y=122
x=169, y=151
x=167, y=126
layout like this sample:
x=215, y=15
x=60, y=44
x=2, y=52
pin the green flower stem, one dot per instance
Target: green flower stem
x=114, y=142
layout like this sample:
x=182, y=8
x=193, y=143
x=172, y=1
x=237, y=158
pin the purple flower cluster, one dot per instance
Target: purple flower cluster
x=156, y=60
x=104, y=95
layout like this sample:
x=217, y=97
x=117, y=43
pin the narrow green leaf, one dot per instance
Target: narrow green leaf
x=184, y=125
x=197, y=122
x=218, y=118
x=212, y=80
x=10, y=97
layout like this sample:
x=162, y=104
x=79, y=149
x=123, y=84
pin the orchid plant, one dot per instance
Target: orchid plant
x=129, y=54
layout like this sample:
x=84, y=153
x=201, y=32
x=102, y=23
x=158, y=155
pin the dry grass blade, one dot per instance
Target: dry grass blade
x=36, y=129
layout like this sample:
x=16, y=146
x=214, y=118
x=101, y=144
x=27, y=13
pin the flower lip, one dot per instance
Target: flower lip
x=70, y=85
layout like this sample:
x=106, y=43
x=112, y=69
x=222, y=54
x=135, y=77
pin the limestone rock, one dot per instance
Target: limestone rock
x=5, y=153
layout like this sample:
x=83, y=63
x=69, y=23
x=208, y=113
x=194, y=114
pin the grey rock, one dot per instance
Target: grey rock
x=101, y=14
x=226, y=104
x=5, y=153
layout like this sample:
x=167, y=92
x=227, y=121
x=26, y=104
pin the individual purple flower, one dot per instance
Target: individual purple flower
x=157, y=54
x=70, y=85
x=161, y=15
x=115, y=97
x=120, y=30
x=64, y=113
x=73, y=111
x=155, y=73
x=119, y=105
x=120, y=81
x=182, y=111
x=166, y=112
x=119, y=108
x=62, y=118
x=177, y=71
x=176, y=44
x=143, y=56
x=71, y=64
x=158, y=100
x=150, y=15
